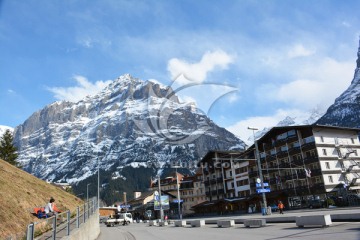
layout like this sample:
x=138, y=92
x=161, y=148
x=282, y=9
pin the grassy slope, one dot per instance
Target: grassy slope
x=20, y=192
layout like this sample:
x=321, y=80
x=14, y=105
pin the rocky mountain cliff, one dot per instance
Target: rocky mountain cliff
x=129, y=123
x=345, y=111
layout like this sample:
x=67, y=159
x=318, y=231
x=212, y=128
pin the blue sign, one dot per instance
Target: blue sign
x=125, y=206
x=265, y=190
x=258, y=185
x=175, y=201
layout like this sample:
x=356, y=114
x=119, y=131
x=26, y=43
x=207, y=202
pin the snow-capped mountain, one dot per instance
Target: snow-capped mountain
x=4, y=128
x=129, y=123
x=345, y=111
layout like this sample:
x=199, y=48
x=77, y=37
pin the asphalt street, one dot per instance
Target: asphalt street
x=142, y=231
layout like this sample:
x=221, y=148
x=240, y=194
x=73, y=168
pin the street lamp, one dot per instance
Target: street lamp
x=260, y=170
x=87, y=192
x=178, y=192
x=98, y=170
x=161, y=209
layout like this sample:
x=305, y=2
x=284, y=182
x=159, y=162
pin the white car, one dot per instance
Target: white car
x=123, y=218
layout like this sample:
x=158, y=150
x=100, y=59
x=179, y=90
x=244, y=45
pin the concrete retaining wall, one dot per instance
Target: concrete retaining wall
x=89, y=230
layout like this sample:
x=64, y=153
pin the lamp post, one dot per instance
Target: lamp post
x=178, y=192
x=161, y=209
x=98, y=195
x=87, y=192
x=259, y=167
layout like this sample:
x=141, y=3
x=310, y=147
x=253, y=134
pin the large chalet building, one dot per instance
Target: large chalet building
x=305, y=162
x=299, y=164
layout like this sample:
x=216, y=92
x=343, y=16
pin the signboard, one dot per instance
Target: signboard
x=175, y=201
x=125, y=206
x=265, y=190
x=164, y=203
x=258, y=185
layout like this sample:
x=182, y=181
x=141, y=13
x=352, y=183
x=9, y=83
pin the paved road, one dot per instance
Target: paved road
x=141, y=231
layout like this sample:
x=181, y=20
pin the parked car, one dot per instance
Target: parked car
x=317, y=203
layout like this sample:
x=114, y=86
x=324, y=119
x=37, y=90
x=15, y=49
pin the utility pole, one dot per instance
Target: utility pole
x=260, y=170
x=178, y=193
x=161, y=210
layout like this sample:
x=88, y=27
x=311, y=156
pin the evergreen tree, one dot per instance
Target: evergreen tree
x=7, y=148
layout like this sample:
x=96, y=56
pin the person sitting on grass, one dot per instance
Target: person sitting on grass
x=50, y=208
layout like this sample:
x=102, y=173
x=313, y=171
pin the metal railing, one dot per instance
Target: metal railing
x=61, y=224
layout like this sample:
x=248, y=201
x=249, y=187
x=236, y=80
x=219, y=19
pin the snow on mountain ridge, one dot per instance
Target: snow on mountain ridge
x=130, y=120
x=4, y=128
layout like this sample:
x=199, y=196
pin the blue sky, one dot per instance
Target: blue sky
x=283, y=57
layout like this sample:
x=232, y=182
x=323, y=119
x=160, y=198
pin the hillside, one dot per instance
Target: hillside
x=20, y=192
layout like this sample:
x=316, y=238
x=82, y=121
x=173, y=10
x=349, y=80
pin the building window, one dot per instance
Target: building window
x=322, y=139
x=330, y=179
x=352, y=141
x=317, y=180
x=355, y=152
x=324, y=152
x=327, y=165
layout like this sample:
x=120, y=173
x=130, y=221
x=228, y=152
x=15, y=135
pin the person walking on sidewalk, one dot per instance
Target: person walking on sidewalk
x=281, y=207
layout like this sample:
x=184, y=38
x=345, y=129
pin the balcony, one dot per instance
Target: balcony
x=292, y=137
x=284, y=165
x=280, y=140
x=282, y=154
x=253, y=174
x=298, y=162
x=311, y=159
x=294, y=150
x=308, y=143
x=316, y=172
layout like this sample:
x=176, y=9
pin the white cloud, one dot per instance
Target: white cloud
x=83, y=89
x=314, y=84
x=240, y=128
x=346, y=24
x=298, y=50
x=197, y=72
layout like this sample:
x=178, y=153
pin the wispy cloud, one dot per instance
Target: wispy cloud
x=84, y=88
x=299, y=50
x=10, y=91
x=313, y=84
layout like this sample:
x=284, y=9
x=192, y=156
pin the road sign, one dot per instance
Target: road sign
x=125, y=206
x=265, y=190
x=175, y=200
x=258, y=185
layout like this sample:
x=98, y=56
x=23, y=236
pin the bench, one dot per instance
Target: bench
x=226, y=223
x=197, y=223
x=152, y=223
x=315, y=220
x=255, y=223
x=161, y=224
x=180, y=223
